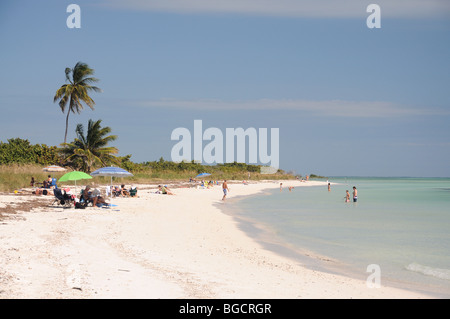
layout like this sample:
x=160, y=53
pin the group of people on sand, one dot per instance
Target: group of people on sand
x=87, y=195
x=94, y=195
x=49, y=183
x=122, y=191
x=47, y=188
x=91, y=195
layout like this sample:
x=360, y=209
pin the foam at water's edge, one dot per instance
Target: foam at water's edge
x=429, y=271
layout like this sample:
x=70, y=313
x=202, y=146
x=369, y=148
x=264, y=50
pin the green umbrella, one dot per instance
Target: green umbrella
x=74, y=176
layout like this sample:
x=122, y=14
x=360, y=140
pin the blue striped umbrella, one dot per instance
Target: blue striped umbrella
x=111, y=171
x=202, y=174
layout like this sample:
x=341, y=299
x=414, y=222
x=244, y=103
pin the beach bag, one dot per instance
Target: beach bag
x=79, y=205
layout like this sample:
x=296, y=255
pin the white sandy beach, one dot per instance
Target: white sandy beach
x=156, y=246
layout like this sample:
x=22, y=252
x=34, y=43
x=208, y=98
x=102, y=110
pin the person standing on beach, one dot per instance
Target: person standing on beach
x=225, y=189
x=355, y=194
x=329, y=187
x=281, y=187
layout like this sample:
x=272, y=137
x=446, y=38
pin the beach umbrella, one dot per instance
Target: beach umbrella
x=74, y=176
x=111, y=171
x=54, y=168
x=202, y=175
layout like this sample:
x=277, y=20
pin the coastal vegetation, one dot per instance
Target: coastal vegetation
x=316, y=176
x=15, y=176
x=20, y=160
x=90, y=150
x=20, y=151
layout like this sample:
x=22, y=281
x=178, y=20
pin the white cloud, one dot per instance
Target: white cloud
x=292, y=8
x=336, y=108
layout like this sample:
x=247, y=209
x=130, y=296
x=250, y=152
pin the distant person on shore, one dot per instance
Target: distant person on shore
x=225, y=189
x=123, y=191
x=355, y=194
x=40, y=191
x=165, y=190
x=329, y=187
x=32, y=182
x=96, y=198
x=85, y=195
x=347, y=196
x=281, y=187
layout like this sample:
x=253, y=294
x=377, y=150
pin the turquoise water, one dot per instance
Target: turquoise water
x=400, y=224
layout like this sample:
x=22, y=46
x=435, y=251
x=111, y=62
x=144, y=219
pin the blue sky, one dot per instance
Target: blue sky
x=348, y=100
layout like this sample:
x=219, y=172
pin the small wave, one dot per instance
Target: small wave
x=429, y=271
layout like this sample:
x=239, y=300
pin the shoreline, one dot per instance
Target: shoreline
x=269, y=239
x=158, y=246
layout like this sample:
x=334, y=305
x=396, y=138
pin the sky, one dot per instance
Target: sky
x=348, y=100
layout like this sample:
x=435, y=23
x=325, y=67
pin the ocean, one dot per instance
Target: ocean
x=401, y=225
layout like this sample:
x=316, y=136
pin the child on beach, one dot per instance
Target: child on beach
x=347, y=196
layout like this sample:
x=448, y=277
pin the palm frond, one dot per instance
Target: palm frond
x=67, y=71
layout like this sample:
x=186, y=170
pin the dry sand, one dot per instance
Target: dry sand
x=154, y=246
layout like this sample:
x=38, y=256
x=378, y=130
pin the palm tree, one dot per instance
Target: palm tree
x=90, y=150
x=76, y=91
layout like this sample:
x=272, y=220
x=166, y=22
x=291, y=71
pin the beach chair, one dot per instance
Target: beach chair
x=116, y=192
x=62, y=198
x=53, y=183
x=133, y=191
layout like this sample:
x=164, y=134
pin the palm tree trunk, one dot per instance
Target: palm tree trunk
x=67, y=125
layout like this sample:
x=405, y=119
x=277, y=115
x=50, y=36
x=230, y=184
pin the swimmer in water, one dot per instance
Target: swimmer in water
x=355, y=194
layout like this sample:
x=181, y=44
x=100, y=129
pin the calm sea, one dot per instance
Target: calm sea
x=400, y=224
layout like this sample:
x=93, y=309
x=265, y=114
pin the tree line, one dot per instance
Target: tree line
x=83, y=154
